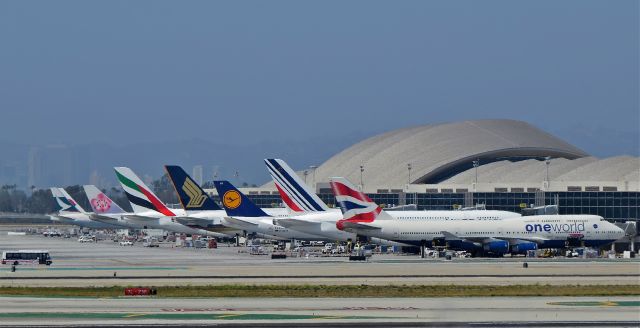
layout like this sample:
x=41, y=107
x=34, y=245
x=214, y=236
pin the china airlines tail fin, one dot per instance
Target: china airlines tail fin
x=355, y=205
x=101, y=203
x=293, y=191
x=191, y=195
x=142, y=199
x=235, y=202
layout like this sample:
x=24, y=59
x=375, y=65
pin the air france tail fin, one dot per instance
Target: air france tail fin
x=71, y=201
x=62, y=202
x=355, y=205
x=101, y=203
x=293, y=191
x=191, y=195
x=140, y=196
x=235, y=202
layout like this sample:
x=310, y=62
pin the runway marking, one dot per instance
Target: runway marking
x=598, y=303
x=175, y=316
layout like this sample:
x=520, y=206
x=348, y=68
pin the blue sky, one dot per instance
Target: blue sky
x=242, y=72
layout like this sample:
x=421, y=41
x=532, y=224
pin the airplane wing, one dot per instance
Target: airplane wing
x=63, y=219
x=537, y=240
x=236, y=222
x=358, y=226
x=293, y=223
x=193, y=222
x=141, y=218
x=103, y=218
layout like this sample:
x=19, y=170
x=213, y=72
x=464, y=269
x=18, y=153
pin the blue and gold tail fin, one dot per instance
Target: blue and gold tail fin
x=191, y=195
x=235, y=202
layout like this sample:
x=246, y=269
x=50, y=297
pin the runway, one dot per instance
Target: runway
x=95, y=264
x=504, y=310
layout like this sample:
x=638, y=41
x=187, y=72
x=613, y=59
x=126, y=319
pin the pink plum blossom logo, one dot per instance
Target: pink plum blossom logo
x=101, y=203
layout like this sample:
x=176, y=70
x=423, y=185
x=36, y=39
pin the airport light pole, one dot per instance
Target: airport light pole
x=547, y=161
x=409, y=169
x=361, y=182
x=305, y=176
x=313, y=167
x=476, y=163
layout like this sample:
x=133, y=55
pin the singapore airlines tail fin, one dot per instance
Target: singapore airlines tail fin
x=191, y=195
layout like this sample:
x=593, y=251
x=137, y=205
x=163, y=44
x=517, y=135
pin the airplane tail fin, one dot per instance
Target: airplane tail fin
x=191, y=195
x=140, y=196
x=64, y=205
x=71, y=201
x=101, y=203
x=293, y=191
x=355, y=205
x=235, y=202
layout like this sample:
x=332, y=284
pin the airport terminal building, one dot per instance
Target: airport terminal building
x=501, y=164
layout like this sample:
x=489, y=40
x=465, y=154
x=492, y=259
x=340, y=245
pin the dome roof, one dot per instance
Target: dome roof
x=445, y=151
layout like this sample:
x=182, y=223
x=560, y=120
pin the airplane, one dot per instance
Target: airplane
x=317, y=218
x=149, y=210
x=243, y=214
x=497, y=237
x=106, y=210
x=313, y=215
x=201, y=212
x=70, y=212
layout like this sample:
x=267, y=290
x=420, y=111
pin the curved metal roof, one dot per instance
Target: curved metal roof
x=438, y=152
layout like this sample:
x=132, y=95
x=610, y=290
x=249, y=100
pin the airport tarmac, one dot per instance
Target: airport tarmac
x=94, y=264
x=77, y=311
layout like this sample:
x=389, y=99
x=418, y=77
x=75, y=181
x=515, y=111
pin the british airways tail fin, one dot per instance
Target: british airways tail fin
x=191, y=195
x=235, y=202
x=101, y=203
x=293, y=191
x=142, y=199
x=71, y=201
x=355, y=205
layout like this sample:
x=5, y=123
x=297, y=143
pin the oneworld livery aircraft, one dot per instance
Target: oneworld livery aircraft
x=362, y=215
x=317, y=218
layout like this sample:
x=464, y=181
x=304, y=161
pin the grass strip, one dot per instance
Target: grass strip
x=242, y=290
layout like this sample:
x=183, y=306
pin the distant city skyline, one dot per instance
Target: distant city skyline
x=232, y=82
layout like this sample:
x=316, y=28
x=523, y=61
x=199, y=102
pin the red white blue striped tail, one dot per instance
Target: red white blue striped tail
x=355, y=205
x=293, y=191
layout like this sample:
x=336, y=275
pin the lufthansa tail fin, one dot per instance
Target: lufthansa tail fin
x=101, y=203
x=235, y=202
x=293, y=191
x=140, y=196
x=191, y=195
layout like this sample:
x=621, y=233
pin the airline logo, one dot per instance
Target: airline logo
x=355, y=205
x=196, y=199
x=65, y=205
x=557, y=227
x=293, y=191
x=138, y=194
x=232, y=199
x=101, y=203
